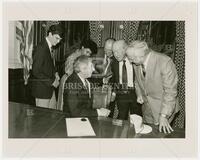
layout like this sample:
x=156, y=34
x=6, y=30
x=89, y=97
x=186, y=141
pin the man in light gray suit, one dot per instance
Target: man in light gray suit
x=156, y=84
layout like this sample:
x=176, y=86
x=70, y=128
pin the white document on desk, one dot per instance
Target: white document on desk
x=76, y=127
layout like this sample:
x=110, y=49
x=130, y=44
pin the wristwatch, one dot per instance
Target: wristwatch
x=163, y=115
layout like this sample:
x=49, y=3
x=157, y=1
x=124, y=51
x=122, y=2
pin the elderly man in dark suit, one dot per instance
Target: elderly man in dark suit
x=156, y=84
x=44, y=75
x=78, y=93
x=123, y=82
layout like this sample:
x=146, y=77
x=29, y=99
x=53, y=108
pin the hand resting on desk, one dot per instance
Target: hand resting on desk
x=103, y=112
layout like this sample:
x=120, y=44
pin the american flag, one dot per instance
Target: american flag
x=24, y=33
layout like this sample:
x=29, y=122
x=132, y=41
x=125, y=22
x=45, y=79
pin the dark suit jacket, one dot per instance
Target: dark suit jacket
x=43, y=72
x=100, y=52
x=76, y=98
x=115, y=75
x=115, y=71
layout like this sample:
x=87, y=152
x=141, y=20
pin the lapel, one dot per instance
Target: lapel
x=149, y=71
x=139, y=75
x=79, y=81
x=48, y=53
x=150, y=67
x=116, y=67
x=47, y=47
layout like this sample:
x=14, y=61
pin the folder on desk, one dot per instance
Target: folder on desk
x=76, y=127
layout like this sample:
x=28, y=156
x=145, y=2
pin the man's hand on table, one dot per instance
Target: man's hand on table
x=103, y=112
x=164, y=124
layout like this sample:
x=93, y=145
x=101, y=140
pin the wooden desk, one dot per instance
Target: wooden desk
x=48, y=123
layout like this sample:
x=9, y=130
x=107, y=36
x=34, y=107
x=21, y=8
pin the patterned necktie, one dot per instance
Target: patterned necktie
x=124, y=74
x=143, y=70
x=86, y=86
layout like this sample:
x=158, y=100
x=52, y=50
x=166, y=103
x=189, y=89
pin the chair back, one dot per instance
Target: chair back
x=102, y=96
x=61, y=92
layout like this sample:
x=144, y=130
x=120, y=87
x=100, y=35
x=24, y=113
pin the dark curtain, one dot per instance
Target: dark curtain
x=160, y=35
x=163, y=32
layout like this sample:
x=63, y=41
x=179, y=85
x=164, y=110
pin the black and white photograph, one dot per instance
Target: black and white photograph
x=100, y=79
x=97, y=79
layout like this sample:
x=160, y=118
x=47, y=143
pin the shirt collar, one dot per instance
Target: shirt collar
x=49, y=43
x=146, y=60
x=125, y=59
x=105, y=56
x=82, y=79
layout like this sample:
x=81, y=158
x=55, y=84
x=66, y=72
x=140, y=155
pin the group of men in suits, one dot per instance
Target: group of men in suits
x=144, y=82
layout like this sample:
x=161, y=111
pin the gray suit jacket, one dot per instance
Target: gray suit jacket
x=103, y=68
x=158, y=88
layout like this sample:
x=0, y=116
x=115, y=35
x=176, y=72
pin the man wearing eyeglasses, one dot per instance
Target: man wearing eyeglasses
x=156, y=84
x=44, y=76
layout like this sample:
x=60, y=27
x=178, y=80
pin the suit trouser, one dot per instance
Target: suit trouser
x=46, y=103
x=127, y=102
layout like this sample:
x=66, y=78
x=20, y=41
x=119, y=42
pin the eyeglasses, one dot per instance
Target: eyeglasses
x=57, y=37
x=137, y=57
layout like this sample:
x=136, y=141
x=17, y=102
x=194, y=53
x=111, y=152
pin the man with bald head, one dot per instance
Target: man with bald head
x=156, y=84
x=123, y=82
x=105, y=54
x=108, y=47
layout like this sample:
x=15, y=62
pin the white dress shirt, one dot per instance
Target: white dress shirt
x=105, y=59
x=129, y=69
x=49, y=44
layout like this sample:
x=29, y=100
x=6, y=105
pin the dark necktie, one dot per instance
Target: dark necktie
x=133, y=73
x=124, y=74
x=86, y=86
x=143, y=70
x=52, y=55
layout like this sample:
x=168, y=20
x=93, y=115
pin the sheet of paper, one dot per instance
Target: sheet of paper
x=77, y=127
